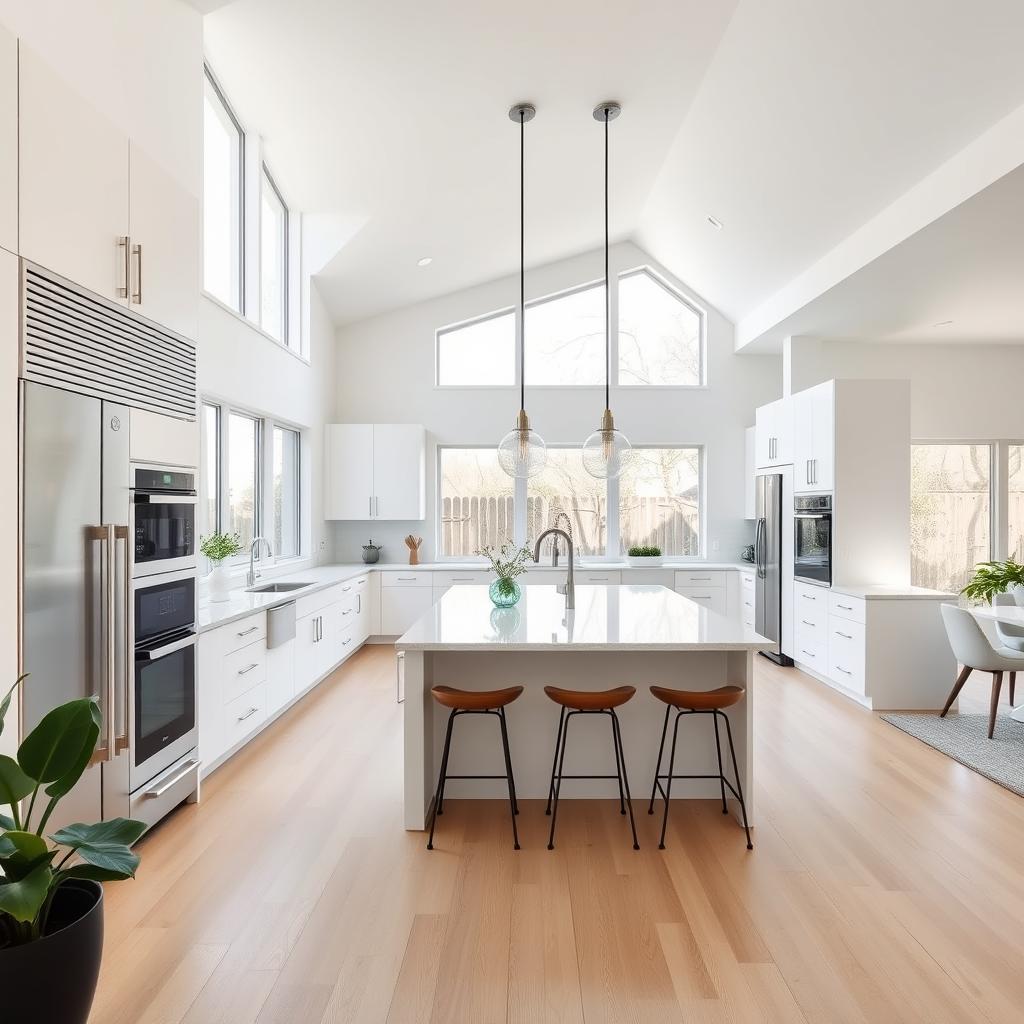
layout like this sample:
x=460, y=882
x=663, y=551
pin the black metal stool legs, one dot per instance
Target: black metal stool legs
x=512, y=804
x=439, y=792
x=554, y=762
x=623, y=777
x=668, y=787
x=657, y=767
x=739, y=784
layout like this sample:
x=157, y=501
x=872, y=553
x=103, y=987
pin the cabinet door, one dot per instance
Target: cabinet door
x=764, y=432
x=280, y=676
x=210, y=699
x=399, y=455
x=803, y=440
x=783, y=432
x=164, y=227
x=823, y=418
x=329, y=646
x=73, y=183
x=348, y=456
x=306, y=651
x=400, y=607
x=8, y=141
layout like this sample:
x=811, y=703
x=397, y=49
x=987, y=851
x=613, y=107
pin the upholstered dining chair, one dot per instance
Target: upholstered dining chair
x=973, y=650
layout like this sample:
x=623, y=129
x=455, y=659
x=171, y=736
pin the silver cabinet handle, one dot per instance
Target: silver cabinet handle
x=359, y=604
x=806, y=623
x=248, y=668
x=370, y=510
x=598, y=579
x=845, y=607
x=347, y=612
x=345, y=590
x=377, y=510
x=807, y=597
x=137, y=291
x=246, y=632
x=345, y=643
x=809, y=655
x=186, y=768
x=399, y=677
x=406, y=579
x=845, y=636
x=845, y=671
x=360, y=581
x=248, y=714
x=700, y=597
x=124, y=245
x=700, y=579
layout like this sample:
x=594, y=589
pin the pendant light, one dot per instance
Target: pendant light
x=607, y=451
x=522, y=452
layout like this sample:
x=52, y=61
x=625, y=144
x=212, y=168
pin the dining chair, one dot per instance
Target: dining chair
x=973, y=650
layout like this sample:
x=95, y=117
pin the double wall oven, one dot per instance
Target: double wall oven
x=812, y=542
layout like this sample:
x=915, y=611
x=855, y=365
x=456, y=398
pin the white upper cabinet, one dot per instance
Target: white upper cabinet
x=375, y=471
x=8, y=141
x=73, y=185
x=164, y=230
x=773, y=434
x=814, y=439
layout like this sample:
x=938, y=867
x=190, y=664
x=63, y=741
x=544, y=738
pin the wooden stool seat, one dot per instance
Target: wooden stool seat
x=475, y=700
x=700, y=700
x=590, y=700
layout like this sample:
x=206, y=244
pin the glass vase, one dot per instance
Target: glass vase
x=504, y=592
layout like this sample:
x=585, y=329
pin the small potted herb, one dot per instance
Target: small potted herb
x=216, y=548
x=508, y=563
x=51, y=899
x=991, y=578
x=644, y=554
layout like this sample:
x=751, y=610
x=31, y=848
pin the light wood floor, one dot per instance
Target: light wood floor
x=885, y=886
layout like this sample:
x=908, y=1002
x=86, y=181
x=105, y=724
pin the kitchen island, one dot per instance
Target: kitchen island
x=636, y=635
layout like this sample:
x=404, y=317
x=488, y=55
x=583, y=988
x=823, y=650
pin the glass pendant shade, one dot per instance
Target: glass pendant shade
x=522, y=452
x=607, y=451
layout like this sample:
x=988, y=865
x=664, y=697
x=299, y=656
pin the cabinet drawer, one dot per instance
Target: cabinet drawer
x=244, y=632
x=406, y=579
x=747, y=609
x=245, y=714
x=846, y=653
x=810, y=601
x=697, y=578
x=747, y=580
x=712, y=598
x=243, y=670
x=461, y=579
x=598, y=578
x=843, y=607
x=348, y=640
x=814, y=656
x=321, y=599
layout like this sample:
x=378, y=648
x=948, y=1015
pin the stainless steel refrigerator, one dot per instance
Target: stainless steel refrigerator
x=768, y=563
x=75, y=571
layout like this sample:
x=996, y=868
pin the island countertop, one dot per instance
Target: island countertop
x=620, y=618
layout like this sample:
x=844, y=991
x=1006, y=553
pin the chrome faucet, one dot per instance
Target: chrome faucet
x=254, y=573
x=559, y=516
x=570, y=585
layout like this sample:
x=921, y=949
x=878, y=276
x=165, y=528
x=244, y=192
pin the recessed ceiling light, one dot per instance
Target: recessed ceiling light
x=424, y=261
x=943, y=323
x=715, y=222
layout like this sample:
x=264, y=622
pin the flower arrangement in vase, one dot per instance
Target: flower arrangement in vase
x=507, y=563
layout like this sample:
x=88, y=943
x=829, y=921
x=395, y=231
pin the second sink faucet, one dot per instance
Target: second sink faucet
x=254, y=573
x=570, y=583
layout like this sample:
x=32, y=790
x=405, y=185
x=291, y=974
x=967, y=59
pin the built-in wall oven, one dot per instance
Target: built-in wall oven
x=163, y=525
x=164, y=693
x=812, y=547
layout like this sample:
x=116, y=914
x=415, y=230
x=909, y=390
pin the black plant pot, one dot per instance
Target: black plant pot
x=54, y=979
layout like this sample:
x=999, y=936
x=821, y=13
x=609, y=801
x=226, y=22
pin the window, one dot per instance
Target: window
x=564, y=339
x=243, y=474
x=286, y=535
x=223, y=143
x=660, y=334
x=273, y=259
x=210, y=460
x=659, y=500
x=564, y=486
x=950, y=513
x=480, y=354
x=476, y=500
x=1015, y=509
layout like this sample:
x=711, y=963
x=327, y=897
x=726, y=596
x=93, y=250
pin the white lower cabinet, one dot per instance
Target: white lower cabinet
x=404, y=598
x=707, y=587
x=748, y=597
x=280, y=676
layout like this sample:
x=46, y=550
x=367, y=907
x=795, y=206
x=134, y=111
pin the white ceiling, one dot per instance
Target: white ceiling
x=792, y=121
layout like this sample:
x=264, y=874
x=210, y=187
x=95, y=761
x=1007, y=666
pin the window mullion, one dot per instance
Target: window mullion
x=612, y=545
x=1000, y=500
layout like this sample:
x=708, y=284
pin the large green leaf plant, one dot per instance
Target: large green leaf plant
x=33, y=864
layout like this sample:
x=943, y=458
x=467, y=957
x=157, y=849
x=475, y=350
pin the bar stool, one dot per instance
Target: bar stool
x=698, y=702
x=589, y=702
x=474, y=702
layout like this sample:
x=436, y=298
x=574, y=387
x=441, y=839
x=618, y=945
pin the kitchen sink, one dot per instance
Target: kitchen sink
x=277, y=588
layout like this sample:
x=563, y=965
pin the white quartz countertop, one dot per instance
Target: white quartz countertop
x=621, y=618
x=879, y=593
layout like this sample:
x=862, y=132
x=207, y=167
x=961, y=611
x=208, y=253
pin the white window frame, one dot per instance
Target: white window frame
x=613, y=317
x=472, y=321
x=286, y=325
x=520, y=490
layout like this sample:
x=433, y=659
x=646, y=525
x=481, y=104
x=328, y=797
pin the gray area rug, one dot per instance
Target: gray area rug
x=964, y=738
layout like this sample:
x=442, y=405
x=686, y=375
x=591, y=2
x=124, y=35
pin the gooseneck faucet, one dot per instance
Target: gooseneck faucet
x=254, y=574
x=559, y=516
x=570, y=583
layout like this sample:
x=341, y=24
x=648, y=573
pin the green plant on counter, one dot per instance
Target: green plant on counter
x=507, y=563
x=219, y=546
x=991, y=578
x=644, y=551
x=54, y=755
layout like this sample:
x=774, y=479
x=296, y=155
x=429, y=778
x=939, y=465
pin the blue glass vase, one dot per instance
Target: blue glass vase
x=504, y=592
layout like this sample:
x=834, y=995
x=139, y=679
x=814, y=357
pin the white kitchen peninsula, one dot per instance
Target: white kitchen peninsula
x=636, y=635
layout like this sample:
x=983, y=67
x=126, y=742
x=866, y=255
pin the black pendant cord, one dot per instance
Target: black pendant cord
x=522, y=260
x=607, y=291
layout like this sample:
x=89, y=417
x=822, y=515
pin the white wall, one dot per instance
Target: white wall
x=386, y=374
x=956, y=391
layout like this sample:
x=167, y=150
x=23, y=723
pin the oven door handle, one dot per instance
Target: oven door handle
x=160, y=498
x=153, y=653
x=812, y=515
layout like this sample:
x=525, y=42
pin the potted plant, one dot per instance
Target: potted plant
x=507, y=564
x=644, y=554
x=51, y=899
x=991, y=578
x=216, y=548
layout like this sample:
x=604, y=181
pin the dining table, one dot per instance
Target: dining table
x=1009, y=614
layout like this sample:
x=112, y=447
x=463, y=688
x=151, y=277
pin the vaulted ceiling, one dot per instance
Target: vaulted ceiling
x=793, y=122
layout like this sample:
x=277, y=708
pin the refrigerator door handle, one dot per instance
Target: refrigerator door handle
x=759, y=547
x=99, y=534
x=121, y=741
x=110, y=634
